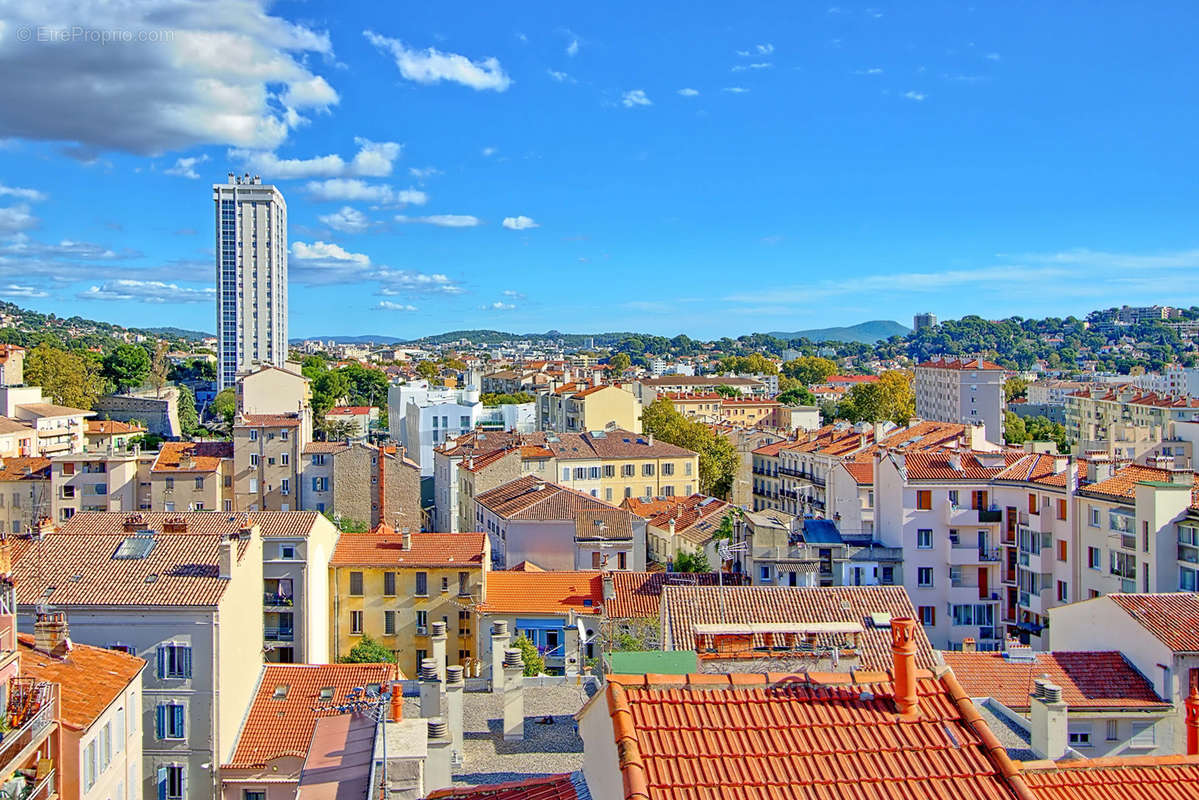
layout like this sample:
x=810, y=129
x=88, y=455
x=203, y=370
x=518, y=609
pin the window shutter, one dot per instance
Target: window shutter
x=162, y=661
x=178, y=731
x=185, y=661
x=183, y=782
x=162, y=783
x=1142, y=735
x=160, y=722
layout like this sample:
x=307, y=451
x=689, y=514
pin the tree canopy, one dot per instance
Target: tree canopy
x=691, y=562
x=534, y=663
x=68, y=379
x=127, y=366
x=718, y=460
x=810, y=370
x=891, y=397
x=368, y=651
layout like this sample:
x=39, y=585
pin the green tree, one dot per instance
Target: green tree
x=891, y=397
x=189, y=421
x=797, y=396
x=160, y=367
x=328, y=388
x=427, y=370
x=338, y=429
x=68, y=379
x=1014, y=387
x=620, y=362
x=456, y=364
x=534, y=663
x=346, y=524
x=224, y=405
x=368, y=651
x=692, y=562
x=718, y=461
x=367, y=386
x=726, y=391
x=127, y=366
x=496, y=399
x=810, y=370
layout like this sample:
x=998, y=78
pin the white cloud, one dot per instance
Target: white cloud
x=373, y=160
x=635, y=97
x=403, y=281
x=29, y=195
x=572, y=49
x=871, y=71
x=420, y=173
x=519, y=223
x=735, y=89
x=432, y=66
x=355, y=190
x=756, y=65
x=186, y=167
x=560, y=77
x=992, y=56
x=917, y=96
x=327, y=254
x=444, y=220
x=512, y=293
x=17, y=218
x=147, y=292
x=347, y=220
x=499, y=305
x=223, y=72
x=388, y=305
x=688, y=92
x=323, y=263
x=16, y=290
x=765, y=49
x=488, y=152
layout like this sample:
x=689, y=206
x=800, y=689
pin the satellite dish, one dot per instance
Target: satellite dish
x=582, y=631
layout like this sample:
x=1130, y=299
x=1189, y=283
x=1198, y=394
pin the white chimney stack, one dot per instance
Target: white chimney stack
x=514, y=696
x=437, y=762
x=499, y=643
x=454, y=687
x=430, y=689
x=437, y=636
x=1048, y=731
x=226, y=558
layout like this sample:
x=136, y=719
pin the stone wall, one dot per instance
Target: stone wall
x=159, y=414
x=356, y=487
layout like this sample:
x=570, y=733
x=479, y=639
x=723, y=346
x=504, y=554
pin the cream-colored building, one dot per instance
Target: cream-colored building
x=193, y=476
x=109, y=435
x=296, y=549
x=100, y=481
x=576, y=408
x=25, y=493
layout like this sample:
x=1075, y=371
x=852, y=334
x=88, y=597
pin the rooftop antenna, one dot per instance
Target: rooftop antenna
x=726, y=551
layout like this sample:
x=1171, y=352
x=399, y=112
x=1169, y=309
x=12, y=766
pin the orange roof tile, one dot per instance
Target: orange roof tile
x=385, y=548
x=861, y=471
x=543, y=592
x=530, y=497
x=547, y=787
x=348, y=411
x=25, y=468
x=958, y=364
x=1142, y=778
x=639, y=594
x=267, y=421
x=1173, y=618
x=282, y=726
x=110, y=427
x=925, y=465
x=90, y=679
x=696, y=518
x=289, y=524
x=1122, y=485
x=1088, y=680
x=192, y=456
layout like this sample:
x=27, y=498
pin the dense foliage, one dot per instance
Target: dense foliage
x=368, y=651
x=717, y=457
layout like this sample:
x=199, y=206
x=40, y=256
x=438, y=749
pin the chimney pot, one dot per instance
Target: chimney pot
x=903, y=656
x=969, y=645
x=51, y=635
x=397, y=701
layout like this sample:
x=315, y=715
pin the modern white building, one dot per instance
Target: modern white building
x=966, y=391
x=251, y=276
x=421, y=418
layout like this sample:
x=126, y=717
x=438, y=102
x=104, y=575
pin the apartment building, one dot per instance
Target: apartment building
x=100, y=481
x=100, y=710
x=192, y=476
x=16, y=439
x=394, y=586
x=33, y=426
x=297, y=547
x=358, y=419
x=422, y=418
x=938, y=507
x=25, y=493
x=576, y=408
x=184, y=599
x=367, y=483
x=109, y=435
x=490, y=471
x=1092, y=413
x=268, y=468
x=648, y=389
x=968, y=392
x=677, y=525
x=447, y=460
x=557, y=528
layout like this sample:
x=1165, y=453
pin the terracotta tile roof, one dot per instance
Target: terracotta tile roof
x=25, y=468
x=862, y=472
x=603, y=525
x=694, y=396
x=619, y=443
x=924, y=465
x=1122, y=485
x=835, y=379
x=90, y=678
x=480, y=462
x=110, y=427
x=969, y=364
x=267, y=421
x=651, y=506
x=684, y=607
x=288, y=524
x=1173, y=618
x=590, y=391
x=639, y=594
x=51, y=410
x=383, y=547
x=533, y=452
x=1123, y=778
x=554, y=592
x=696, y=518
x=1088, y=679
x=283, y=726
x=325, y=448
x=801, y=737
x=699, y=380
x=204, y=456
x=522, y=499
x=480, y=442
x=773, y=448
x=548, y=787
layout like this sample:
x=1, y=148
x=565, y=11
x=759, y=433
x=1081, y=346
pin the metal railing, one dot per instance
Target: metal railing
x=276, y=599
x=16, y=740
x=276, y=634
x=44, y=788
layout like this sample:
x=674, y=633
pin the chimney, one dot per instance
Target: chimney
x=437, y=762
x=1098, y=470
x=175, y=524
x=1048, y=731
x=651, y=440
x=1192, y=720
x=609, y=584
x=51, y=634
x=437, y=636
x=226, y=556
x=969, y=645
x=514, y=696
x=955, y=461
x=133, y=523
x=903, y=657
x=430, y=689
x=406, y=538
x=397, y=701
x=499, y=643
x=382, y=472
x=455, y=685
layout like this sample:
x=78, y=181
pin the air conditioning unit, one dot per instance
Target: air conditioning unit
x=422, y=630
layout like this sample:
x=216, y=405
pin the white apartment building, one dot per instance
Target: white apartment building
x=422, y=418
x=251, y=276
x=1092, y=413
x=969, y=392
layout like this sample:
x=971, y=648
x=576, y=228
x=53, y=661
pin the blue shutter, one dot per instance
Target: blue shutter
x=185, y=662
x=183, y=782
x=162, y=783
x=162, y=661
x=160, y=721
x=177, y=730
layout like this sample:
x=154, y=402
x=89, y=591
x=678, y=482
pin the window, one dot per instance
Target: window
x=283, y=436
x=318, y=460
x=924, y=499
x=169, y=484
x=595, y=559
x=1093, y=557
x=422, y=584
x=168, y=721
x=1113, y=730
x=687, y=468
x=609, y=470
x=68, y=468
x=389, y=623
x=928, y=615
x=566, y=473
x=978, y=499
x=356, y=584
x=285, y=486
x=253, y=435
x=287, y=551
x=174, y=661
x=1093, y=517
x=253, y=460
x=1061, y=550
x=320, y=484
x=593, y=473
x=1061, y=509
x=1032, y=503
x=924, y=539
x=608, y=494
x=172, y=782
x=422, y=622
x=389, y=584
x=68, y=492
x=580, y=473
x=284, y=459
x=445, y=583
x=628, y=471
x=1188, y=579
x=622, y=560
x=924, y=577
x=973, y=614
x=253, y=794
x=647, y=470
x=888, y=576
x=356, y=622
x=953, y=497
x=668, y=469
x=1063, y=593
x=1080, y=738
x=463, y=584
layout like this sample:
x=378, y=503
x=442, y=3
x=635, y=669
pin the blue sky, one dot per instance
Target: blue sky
x=664, y=167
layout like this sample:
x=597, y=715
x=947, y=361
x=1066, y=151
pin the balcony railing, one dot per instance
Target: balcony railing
x=275, y=599
x=29, y=730
x=44, y=788
x=276, y=634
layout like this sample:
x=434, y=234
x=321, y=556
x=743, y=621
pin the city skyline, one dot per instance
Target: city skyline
x=566, y=170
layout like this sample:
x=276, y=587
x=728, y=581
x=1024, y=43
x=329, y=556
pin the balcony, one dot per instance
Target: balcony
x=961, y=555
x=43, y=789
x=274, y=599
x=37, y=711
x=274, y=633
x=988, y=516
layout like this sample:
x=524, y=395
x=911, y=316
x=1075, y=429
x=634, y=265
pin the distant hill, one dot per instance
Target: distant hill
x=178, y=333
x=366, y=339
x=865, y=332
